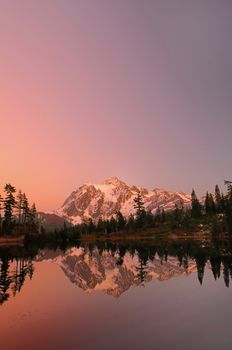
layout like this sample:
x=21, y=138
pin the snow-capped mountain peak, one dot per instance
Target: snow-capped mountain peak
x=104, y=200
x=114, y=181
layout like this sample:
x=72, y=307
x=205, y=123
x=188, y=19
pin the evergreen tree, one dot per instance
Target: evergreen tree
x=113, y=224
x=163, y=216
x=9, y=204
x=100, y=225
x=178, y=214
x=121, y=222
x=131, y=223
x=158, y=215
x=138, y=204
x=64, y=232
x=140, y=219
x=25, y=211
x=218, y=199
x=186, y=220
x=209, y=204
x=33, y=216
x=19, y=205
x=1, y=201
x=107, y=227
x=149, y=218
x=212, y=204
x=228, y=206
x=196, y=206
x=223, y=203
x=91, y=226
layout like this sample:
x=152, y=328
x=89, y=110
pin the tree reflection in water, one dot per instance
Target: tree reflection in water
x=13, y=273
x=160, y=260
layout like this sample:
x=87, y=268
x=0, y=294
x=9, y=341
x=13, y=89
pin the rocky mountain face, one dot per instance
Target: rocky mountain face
x=104, y=200
x=106, y=272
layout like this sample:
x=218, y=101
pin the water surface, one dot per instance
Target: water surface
x=111, y=296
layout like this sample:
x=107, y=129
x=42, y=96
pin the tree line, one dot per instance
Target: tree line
x=215, y=213
x=16, y=214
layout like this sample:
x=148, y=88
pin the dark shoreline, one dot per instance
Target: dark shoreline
x=145, y=236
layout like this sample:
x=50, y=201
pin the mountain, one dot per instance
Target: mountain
x=97, y=271
x=104, y=200
x=51, y=221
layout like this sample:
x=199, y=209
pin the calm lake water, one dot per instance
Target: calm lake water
x=117, y=296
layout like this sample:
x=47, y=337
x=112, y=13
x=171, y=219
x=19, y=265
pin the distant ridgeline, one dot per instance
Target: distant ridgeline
x=17, y=217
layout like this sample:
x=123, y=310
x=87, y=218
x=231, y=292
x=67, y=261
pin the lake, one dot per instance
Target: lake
x=117, y=295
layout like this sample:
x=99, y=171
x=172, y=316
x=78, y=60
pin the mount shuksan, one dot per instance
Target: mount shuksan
x=94, y=201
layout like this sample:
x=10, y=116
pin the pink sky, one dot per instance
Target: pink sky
x=92, y=89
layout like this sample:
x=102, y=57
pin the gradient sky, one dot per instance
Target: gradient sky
x=95, y=88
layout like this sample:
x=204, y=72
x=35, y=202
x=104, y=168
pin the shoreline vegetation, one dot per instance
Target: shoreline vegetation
x=210, y=219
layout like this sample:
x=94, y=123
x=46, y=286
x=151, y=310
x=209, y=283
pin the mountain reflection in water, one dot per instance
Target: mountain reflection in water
x=115, y=267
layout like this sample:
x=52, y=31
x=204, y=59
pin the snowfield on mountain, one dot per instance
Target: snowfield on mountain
x=95, y=201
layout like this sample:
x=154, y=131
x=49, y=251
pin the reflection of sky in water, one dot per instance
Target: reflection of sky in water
x=178, y=313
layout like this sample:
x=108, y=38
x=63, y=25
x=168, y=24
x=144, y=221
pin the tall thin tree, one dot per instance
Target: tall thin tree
x=9, y=205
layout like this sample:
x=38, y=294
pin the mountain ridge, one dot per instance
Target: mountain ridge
x=104, y=200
